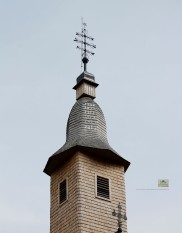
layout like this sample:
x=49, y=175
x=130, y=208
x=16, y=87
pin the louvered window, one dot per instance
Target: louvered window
x=103, y=187
x=63, y=191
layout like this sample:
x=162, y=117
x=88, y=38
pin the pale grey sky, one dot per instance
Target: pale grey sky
x=138, y=66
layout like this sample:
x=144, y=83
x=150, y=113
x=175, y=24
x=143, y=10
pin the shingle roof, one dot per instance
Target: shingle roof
x=86, y=129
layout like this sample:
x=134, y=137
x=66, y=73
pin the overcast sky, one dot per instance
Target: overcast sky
x=138, y=66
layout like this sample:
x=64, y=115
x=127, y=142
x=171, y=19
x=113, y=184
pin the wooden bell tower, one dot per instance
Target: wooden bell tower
x=87, y=174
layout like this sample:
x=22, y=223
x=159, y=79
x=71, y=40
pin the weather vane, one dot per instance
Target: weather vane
x=83, y=41
x=120, y=217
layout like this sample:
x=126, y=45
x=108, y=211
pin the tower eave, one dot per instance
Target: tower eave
x=60, y=158
x=86, y=81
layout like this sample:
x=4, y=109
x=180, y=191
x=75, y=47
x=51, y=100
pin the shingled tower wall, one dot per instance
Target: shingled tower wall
x=83, y=212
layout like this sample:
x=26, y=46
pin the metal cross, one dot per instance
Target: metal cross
x=84, y=44
x=120, y=217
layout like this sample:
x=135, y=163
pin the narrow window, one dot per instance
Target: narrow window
x=62, y=191
x=103, y=187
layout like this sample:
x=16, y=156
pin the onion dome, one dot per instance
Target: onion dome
x=86, y=128
x=86, y=125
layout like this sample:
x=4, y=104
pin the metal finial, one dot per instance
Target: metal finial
x=120, y=217
x=83, y=41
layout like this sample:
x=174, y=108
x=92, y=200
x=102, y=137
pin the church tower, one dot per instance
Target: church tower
x=87, y=174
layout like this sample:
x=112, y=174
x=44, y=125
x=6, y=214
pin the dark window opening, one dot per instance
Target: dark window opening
x=62, y=192
x=103, y=187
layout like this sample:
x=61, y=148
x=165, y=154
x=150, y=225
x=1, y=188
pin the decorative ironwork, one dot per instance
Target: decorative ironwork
x=120, y=217
x=83, y=41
